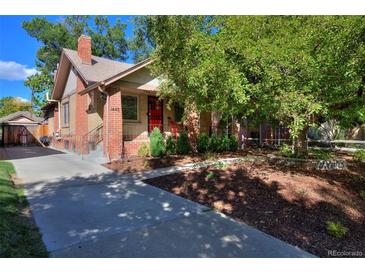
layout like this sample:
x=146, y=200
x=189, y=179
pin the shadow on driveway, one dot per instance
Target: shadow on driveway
x=24, y=152
x=106, y=215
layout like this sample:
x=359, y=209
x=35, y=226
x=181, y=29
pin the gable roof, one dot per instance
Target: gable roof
x=19, y=114
x=117, y=76
x=100, y=68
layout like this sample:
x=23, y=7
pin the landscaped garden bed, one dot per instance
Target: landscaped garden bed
x=316, y=201
x=144, y=163
x=170, y=152
x=318, y=211
x=137, y=163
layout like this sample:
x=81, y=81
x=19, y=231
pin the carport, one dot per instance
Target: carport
x=21, y=128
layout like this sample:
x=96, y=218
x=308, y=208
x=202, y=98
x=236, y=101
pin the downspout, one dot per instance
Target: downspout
x=59, y=109
x=107, y=128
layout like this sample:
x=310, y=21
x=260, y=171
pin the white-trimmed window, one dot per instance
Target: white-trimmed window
x=66, y=114
x=130, y=107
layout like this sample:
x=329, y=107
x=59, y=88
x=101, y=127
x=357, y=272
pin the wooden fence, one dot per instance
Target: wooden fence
x=22, y=135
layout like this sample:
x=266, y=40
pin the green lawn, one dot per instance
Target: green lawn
x=18, y=238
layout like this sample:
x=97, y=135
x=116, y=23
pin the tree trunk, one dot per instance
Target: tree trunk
x=300, y=144
x=192, y=124
x=215, y=119
x=237, y=131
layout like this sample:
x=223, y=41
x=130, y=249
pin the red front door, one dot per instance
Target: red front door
x=155, y=113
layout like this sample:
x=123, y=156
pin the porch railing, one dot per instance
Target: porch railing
x=82, y=144
x=94, y=137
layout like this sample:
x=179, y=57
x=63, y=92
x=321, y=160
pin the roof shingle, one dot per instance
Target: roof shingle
x=100, y=68
x=18, y=114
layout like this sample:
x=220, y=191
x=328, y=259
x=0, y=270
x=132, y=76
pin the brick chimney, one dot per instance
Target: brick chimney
x=84, y=49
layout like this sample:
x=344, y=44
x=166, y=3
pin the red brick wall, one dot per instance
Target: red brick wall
x=114, y=131
x=131, y=147
x=79, y=139
x=55, y=119
x=81, y=127
x=84, y=49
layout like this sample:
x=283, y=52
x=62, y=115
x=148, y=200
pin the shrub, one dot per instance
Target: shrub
x=302, y=192
x=210, y=175
x=144, y=150
x=157, y=144
x=182, y=145
x=220, y=165
x=286, y=151
x=224, y=143
x=203, y=143
x=359, y=155
x=210, y=156
x=215, y=143
x=321, y=154
x=233, y=143
x=336, y=229
x=170, y=146
x=362, y=194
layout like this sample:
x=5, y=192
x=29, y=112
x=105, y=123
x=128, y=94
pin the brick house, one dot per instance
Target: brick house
x=108, y=107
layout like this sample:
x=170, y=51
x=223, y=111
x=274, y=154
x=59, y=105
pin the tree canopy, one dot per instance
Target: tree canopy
x=10, y=105
x=298, y=70
x=108, y=41
x=294, y=69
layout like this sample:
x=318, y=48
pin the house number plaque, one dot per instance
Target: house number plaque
x=115, y=109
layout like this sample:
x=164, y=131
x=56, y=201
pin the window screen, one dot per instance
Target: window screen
x=130, y=107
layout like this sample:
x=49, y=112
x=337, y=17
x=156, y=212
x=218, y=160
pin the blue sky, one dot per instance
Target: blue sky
x=18, y=53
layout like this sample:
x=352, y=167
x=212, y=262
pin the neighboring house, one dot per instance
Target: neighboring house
x=20, y=128
x=109, y=106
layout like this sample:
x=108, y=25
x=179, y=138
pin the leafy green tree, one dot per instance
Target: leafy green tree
x=107, y=41
x=141, y=44
x=39, y=83
x=10, y=105
x=293, y=69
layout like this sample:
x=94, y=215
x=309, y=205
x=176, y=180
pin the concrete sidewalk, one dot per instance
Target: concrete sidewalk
x=84, y=210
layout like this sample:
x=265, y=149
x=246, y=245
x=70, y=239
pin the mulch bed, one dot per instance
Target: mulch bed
x=290, y=203
x=137, y=164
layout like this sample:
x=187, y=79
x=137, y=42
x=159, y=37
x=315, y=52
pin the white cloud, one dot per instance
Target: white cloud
x=21, y=99
x=10, y=70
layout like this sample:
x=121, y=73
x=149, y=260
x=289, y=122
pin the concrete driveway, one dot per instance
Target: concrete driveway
x=85, y=210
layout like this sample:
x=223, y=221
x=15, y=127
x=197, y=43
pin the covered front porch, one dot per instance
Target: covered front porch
x=131, y=113
x=143, y=111
x=122, y=112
